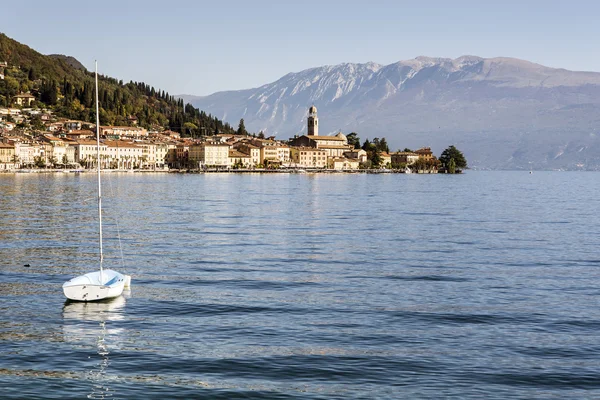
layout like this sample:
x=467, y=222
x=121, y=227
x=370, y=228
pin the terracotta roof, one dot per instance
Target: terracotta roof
x=129, y=128
x=335, y=146
x=86, y=142
x=214, y=144
x=304, y=148
x=326, y=138
x=237, y=154
x=353, y=160
x=120, y=144
x=80, y=132
x=25, y=96
x=249, y=145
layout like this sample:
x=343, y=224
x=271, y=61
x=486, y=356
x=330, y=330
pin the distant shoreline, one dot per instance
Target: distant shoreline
x=211, y=171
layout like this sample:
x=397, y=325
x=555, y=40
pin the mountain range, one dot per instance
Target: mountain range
x=503, y=113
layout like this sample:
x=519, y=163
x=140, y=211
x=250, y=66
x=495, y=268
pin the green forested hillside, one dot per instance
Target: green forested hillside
x=57, y=83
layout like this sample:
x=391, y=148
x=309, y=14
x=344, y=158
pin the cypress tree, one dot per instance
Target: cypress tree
x=242, y=128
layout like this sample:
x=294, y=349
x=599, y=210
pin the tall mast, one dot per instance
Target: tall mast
x=98, y=164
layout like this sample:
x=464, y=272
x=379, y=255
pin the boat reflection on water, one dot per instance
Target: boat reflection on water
x=87, y=324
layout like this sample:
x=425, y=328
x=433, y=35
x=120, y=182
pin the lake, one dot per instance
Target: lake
x=302, y=286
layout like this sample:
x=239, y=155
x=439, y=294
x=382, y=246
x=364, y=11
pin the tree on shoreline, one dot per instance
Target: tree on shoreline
x=453, y=161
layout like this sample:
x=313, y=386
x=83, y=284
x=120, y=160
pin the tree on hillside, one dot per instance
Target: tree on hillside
x=452, y=160
x=37, y=123
x=11, y=87
x=32, y=75
x=48, y=93
x=242, y=128
x=190, y=129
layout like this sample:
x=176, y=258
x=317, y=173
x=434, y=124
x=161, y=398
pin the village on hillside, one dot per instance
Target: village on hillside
x=58, y=143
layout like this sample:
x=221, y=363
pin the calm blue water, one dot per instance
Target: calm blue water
x=304, y=286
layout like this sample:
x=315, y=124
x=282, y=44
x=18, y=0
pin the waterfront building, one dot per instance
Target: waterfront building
x=334, y=146
x=425, y=153
x=85, y=151
x=154, y=154
x=404, y=157
x=171, y=158
x=27, y=153
x=162, y=154
x=341, y=164
x=182, y=154
x=7, y=157
x=272, y=152
x=309, y=157
x=55, y=150
x=248, y=148
x=148, y=159
x=121, y=154
x=356, y=154
x=209, y=154
x=386, y=159
x=237, y=158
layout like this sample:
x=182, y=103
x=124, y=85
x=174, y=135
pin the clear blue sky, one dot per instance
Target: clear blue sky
x=200, y=47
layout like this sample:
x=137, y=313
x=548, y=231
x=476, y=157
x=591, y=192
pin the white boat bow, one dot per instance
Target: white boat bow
x=96, y=286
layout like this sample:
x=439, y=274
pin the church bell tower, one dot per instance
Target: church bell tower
x=313, y=122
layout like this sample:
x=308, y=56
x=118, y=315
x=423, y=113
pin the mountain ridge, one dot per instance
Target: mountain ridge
x=535, y=111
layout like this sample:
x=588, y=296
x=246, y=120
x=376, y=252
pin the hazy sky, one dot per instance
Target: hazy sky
x=200, y=47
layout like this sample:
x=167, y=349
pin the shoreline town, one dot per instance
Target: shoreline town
x=70, y=145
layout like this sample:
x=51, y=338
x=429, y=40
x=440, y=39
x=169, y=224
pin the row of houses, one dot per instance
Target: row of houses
x=165, y=150
x=72, y=143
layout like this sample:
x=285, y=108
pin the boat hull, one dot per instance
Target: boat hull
x=94, y=287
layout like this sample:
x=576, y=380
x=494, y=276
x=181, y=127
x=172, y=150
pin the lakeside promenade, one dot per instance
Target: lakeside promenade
x=216, y=170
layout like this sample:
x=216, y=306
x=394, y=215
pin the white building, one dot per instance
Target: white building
x=209, y=154
x=121, y=154
x=86, y=153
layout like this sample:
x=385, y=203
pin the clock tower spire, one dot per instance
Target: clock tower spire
x=313, y=122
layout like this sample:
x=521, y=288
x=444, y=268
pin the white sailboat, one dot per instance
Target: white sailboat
x=105, y=283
